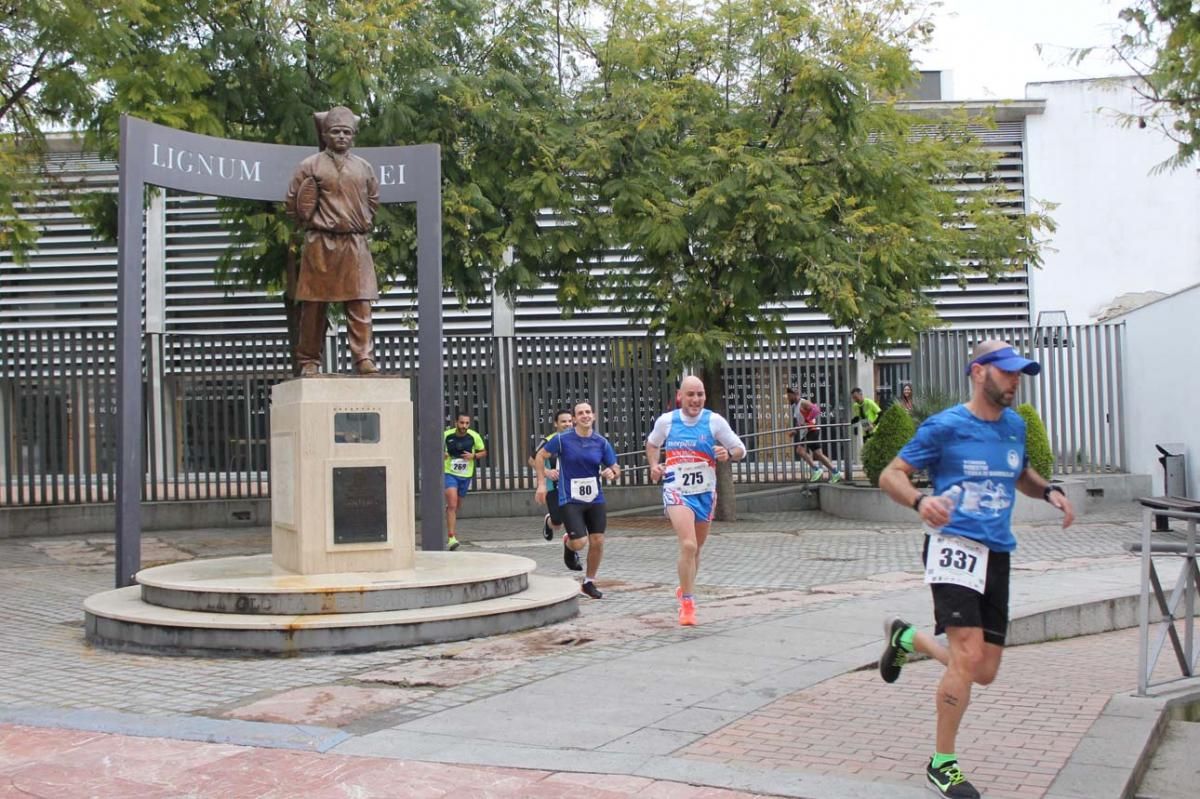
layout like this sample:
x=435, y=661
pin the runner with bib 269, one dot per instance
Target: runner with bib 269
x=975, y=456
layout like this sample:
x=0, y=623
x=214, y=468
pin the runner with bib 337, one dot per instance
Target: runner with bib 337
x=975, y=456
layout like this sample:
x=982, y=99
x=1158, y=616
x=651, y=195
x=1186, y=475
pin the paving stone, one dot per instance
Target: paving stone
x=328, y=705
x=772, y=586
x=651, y=741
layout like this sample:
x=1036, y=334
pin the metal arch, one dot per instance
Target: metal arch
x=160, y=156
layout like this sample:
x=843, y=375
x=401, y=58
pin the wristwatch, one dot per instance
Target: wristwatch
x=1050, y=489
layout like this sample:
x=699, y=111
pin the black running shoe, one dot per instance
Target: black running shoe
x=571, y=557
x=894, y=657
x=547, y=530
x=949, y=781
x=591, y=590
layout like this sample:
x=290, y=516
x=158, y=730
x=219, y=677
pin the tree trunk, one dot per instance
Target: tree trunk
x=714, y=389
x=292, y=309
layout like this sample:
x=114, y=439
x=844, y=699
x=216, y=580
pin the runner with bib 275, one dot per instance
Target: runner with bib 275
x=694, y=440
x=975, y=456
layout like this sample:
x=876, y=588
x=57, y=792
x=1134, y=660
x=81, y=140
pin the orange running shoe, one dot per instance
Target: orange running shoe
x=687, y=612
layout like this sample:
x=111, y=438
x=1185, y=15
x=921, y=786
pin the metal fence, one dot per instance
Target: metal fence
x=1078, y=393
x=207, y=401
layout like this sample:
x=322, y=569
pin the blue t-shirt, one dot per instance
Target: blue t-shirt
x=551, y=463
x=985, y=458
x=580, y=457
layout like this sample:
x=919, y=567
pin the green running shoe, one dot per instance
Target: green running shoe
x=894, y=657
x=949, y=781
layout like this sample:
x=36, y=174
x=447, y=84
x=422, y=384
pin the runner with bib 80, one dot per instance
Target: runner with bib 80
x=584, y=456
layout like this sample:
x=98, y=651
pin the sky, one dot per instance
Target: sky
x=990, y=46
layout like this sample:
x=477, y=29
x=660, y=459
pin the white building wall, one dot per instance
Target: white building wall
x=1161, y=384
x=1121, y=229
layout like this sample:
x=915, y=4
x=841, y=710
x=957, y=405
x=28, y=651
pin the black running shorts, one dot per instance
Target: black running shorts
x=584, y=519
x=552, y=506
x=956, y=606
x=812, y=440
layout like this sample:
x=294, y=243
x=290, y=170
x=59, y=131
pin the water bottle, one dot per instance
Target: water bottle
x=950, y=498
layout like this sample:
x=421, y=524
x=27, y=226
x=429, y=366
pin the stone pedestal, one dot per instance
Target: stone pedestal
x=342, y=475
x=343, y=574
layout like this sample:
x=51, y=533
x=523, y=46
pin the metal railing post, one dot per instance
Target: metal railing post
x=1189, y=603
x=1144, y=607
x=1184, y=592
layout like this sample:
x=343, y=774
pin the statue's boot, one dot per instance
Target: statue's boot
x=358, y=330
x=311, y=339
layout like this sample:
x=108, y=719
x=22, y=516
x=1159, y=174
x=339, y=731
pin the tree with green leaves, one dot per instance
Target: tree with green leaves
x=477, y=77
x=724, y=156
x=48, y=53
x=1161, y=44
x=742, y=154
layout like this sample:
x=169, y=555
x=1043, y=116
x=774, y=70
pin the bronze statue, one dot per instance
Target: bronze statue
x=334, y=196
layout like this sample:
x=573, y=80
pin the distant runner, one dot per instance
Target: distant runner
x=863, y=413
x=553, y=520
x=810, y=447
x=462, y=448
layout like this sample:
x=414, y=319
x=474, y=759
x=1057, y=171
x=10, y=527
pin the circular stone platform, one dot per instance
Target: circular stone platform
x=253, y=585
x=244, y=606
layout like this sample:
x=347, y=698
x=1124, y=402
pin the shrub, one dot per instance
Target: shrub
x=1037, y=443
x=893, y=431
x=927, y=403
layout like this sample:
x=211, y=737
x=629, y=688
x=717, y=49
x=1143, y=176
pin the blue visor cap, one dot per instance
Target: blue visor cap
x=1008, y=361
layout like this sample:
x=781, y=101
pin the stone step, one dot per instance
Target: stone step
x=1174, y=770
x=252, y=585
x=120, y=620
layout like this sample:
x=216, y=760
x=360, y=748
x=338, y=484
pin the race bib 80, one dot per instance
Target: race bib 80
x=956, y=560
x=585, y=489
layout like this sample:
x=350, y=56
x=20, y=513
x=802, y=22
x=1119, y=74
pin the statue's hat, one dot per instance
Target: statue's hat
x=338, y=115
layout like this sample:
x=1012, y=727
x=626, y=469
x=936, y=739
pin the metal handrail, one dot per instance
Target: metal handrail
x=787, y=444
x=1186, y=587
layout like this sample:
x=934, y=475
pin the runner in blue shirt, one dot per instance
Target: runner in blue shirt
x=694, y=440
x=584, y=456
x=553, y=520
x=975, y=456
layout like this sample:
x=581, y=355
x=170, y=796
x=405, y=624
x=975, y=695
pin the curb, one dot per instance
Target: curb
x=1112, y=758
x=1055, y=623
x=262, y=734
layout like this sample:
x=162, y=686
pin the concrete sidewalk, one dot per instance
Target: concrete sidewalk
x=773, y=694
